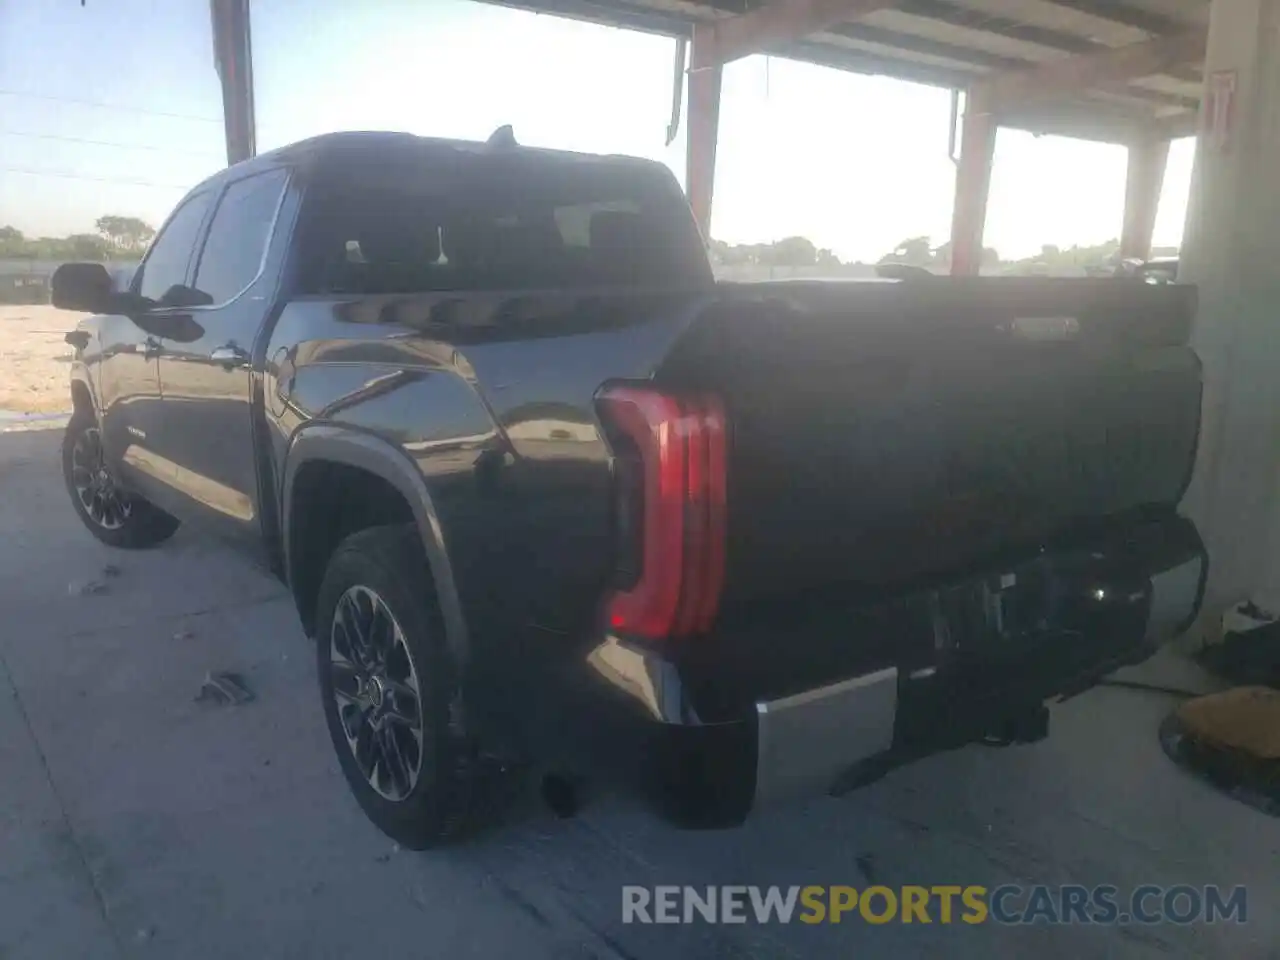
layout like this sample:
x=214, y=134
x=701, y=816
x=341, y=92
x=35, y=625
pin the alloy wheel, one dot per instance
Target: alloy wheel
x=103, y=501
x=376, y=692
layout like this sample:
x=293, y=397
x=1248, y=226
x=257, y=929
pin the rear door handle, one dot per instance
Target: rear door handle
x=149, y=347
x=230, y=356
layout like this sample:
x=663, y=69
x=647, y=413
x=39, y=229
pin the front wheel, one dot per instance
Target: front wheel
x=389, y=688
x=115, y=516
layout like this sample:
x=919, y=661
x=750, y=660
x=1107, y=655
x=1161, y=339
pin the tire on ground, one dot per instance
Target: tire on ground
x=389, y=560
x=146, y=525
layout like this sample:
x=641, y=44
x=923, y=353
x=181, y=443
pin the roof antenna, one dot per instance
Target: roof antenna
x=504, y=137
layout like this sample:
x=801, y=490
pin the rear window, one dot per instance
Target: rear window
x=510, y=222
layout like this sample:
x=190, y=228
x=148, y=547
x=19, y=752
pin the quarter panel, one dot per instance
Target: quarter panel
x=497, y=414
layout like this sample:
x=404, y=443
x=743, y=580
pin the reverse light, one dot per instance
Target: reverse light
x=672, y=491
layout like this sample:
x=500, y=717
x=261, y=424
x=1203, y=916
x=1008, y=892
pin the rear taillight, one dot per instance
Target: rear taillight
x=671, y=456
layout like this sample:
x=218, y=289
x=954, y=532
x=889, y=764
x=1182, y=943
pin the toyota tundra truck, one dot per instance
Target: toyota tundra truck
x=541, y=487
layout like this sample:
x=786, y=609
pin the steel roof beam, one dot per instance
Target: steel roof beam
x=718, y=42
x=980, y=21
x=1186, y=124
x=1116, y=65
x=1130, y=16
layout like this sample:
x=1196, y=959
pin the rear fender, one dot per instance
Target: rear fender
x=367, y=452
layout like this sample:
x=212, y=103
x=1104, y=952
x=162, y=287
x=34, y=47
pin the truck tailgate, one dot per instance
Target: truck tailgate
x=884, y=434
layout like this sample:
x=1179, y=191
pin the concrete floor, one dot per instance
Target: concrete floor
x=135, y=822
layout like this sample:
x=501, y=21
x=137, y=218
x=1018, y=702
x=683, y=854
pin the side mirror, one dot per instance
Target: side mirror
x=88, y=288
x=181, y=296
x=85, y=287
x=178, y=327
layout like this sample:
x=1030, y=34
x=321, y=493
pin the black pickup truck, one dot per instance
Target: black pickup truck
x=542, y=488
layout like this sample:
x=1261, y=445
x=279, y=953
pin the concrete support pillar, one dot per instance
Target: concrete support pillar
x=1147, y=161
x=973, y=183
x=233, y=59
x=1231, y=251
x=703, y=134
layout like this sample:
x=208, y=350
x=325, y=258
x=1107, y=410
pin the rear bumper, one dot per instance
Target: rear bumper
x=706, y=770
x=804, y=741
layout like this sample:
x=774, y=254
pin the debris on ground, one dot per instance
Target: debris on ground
x=867, y=867
x=1249, y=657
x=1243, y=718
x=224, y=689
x=87, y=588
x=94, y=586
x=1232, y=740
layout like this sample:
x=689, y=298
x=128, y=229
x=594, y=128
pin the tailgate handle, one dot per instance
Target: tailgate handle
x=1044, y=328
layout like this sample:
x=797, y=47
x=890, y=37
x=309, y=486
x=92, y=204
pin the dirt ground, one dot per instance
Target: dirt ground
x=34, y=358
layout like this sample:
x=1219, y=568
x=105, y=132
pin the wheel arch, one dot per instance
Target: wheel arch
x=344, y=447
x=82, y=398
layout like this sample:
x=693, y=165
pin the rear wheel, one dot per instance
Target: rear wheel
x=115, y=516
x=389, y=688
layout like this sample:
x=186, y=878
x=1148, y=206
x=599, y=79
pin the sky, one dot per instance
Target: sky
x=855, y=163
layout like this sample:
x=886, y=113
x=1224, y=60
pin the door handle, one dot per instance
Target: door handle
x=230, y=356
x=148, y=348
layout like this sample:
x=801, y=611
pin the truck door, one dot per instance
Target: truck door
x=207, y=367
x=128, y=376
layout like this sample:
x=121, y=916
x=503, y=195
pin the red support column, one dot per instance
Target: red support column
x=973, y=182
x=1145, y=177
x=703, y=132
x=233, y=59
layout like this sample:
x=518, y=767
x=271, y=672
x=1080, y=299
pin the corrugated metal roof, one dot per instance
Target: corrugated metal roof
x=955, y=42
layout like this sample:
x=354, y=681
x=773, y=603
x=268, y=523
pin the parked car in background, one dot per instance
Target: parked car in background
x=540, y=486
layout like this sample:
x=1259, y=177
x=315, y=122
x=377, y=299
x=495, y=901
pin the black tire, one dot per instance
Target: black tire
x=128, y=522
x=431, y=808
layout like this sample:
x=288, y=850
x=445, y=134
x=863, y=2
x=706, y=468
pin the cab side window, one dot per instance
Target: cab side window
x=238, y=236
x=170, y=254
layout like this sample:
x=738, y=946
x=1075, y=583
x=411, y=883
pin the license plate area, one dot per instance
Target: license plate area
x=1065, y=600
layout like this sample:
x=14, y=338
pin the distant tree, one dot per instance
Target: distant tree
x=12, y=242
x=728, y=254
x=125, y=234
x=87, y=246
x=990, y=257
x=917, y=251
x=1052, y=259
x=787, y=252
x=792, y=252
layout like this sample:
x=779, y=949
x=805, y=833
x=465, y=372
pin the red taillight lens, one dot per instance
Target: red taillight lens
x=679, y=448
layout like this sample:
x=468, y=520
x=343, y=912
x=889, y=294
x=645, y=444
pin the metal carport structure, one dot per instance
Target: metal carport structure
x=1111, y=70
